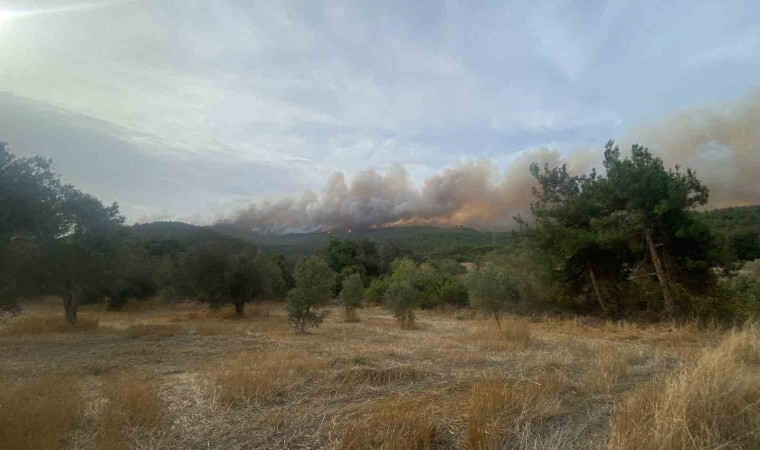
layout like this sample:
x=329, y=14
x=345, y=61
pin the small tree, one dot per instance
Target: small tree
x=352, y=295
x=314, y=287
x=491, y=291
x=401, y=299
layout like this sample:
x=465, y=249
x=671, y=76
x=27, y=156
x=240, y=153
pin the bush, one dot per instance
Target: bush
x=376, y=290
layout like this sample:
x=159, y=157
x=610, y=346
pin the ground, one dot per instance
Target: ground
x=177, y=376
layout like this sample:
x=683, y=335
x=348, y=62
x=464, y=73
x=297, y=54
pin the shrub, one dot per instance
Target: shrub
x=376, y=290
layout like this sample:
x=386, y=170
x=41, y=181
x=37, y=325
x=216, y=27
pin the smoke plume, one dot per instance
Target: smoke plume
x=721, y=143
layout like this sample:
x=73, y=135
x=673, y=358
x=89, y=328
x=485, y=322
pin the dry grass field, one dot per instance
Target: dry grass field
x=160, y=376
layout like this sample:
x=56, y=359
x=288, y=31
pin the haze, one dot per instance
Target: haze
x=430, y=111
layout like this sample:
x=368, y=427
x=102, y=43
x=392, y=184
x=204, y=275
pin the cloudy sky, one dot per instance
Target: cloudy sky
x=190, y=109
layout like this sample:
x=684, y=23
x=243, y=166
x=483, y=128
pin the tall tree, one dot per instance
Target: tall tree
x=641, y=197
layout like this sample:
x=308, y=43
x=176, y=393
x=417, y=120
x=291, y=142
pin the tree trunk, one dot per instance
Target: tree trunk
x=662, y=277
x=239, y=307
x=599, y=298
x=71, y=301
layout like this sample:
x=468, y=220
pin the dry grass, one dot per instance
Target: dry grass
x=350, y=316
x=403, y=422
x=39, y=413
x=498, y=409
x=542, y=383
x=514, y=334
x=258, y=376
x=155, y=330
x=608, y=368
x=213, y=329
x=376, y=376
x=131, y=401
x=713, y=404
x=42, y=324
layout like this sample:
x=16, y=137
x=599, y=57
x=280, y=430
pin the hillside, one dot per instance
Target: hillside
x=420, y=239
x=738, y=230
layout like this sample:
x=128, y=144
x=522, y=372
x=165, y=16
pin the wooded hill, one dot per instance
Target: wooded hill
x=418, y=239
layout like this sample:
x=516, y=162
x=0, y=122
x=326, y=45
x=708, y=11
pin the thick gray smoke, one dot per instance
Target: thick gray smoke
x=721, y=143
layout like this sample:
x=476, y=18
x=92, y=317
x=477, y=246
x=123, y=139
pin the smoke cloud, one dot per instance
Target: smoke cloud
x=721, y=143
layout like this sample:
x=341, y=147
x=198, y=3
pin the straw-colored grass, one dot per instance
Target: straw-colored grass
x=514, y=334
x=259, y=376
x=131, y=400
x=498, y=409
x=542, y=383
x=43, y=324
x=713, y=404
x=376, y=376
x=39, y=413
x=608, y=368
x=403, y=422
x=153, y=330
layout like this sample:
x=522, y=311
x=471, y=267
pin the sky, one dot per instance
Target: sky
x=190, y=110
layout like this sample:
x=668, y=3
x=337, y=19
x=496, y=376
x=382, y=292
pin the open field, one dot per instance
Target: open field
x=159, y=376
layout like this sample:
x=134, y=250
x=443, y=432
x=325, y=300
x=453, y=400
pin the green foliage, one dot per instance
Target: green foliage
x=221, y=272
x=340, y=254
x=352, y=292
x=392, y=242
x=314, y=283
x=401, y=299
x=377, y=287
x=737, y=230
x=491, y=291
x=600, y=232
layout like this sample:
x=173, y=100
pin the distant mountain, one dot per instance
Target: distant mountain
x=738, y=228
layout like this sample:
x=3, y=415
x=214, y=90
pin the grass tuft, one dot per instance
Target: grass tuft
x=261, y=376
x=43, y=324
x=39, y=413
x=157, y=330
x=496, y=410
x=713, y=404
x=131, y=401
x=404, y=422
x=514, y=334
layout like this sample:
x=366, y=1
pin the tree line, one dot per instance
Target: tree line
x=627, y=243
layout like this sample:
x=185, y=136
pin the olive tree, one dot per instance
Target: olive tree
x=351, y=295
x=314, y=287
x=491, y=291
x=401, y=299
